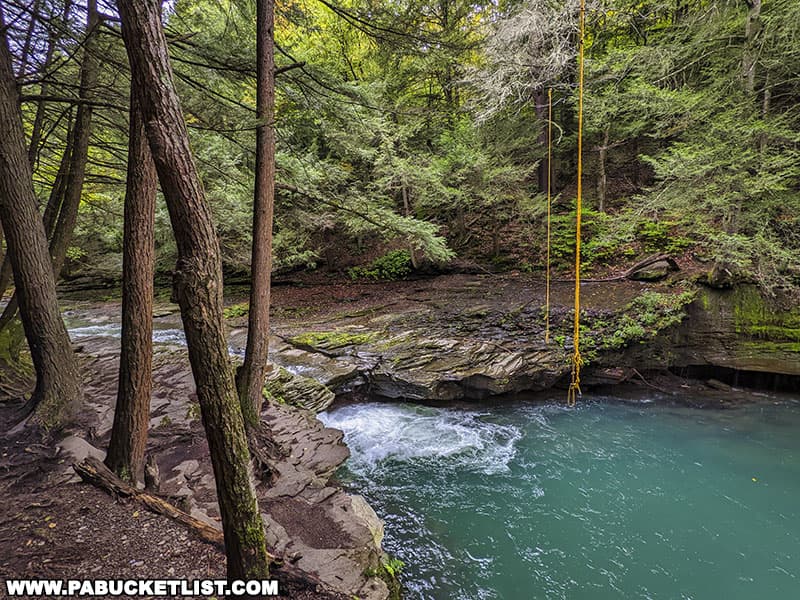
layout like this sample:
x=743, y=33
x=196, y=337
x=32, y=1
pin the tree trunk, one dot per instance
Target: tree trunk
x=62, y=234
x=132, y=415
x=602, y=176
x=60, y=222
x=250, y=379
x=749, y=54
x=57, y=382
x=26, y=47
x=197, y=286
x=540, y=103
x=407, y=211
x=38, y=121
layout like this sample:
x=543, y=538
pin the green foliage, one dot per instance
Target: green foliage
x=236, y=310
x=425, y=130
x=393, y=566
x=391, y=266
x=642, y=319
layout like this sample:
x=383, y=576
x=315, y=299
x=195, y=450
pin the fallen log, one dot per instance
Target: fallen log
x=93, y=471
x=634, y=269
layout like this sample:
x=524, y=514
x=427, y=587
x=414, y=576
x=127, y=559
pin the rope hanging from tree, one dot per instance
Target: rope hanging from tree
x=577, y=361
x=549, y=199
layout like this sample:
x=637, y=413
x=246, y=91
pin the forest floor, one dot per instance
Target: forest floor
x=52, y=525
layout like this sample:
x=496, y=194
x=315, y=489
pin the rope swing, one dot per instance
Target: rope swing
x=577, y=361
x=549, y=202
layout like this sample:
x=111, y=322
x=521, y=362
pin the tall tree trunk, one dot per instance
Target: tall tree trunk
x=197, y=286
x=68, y=216
x=26, y=47
x=38, y=120
x=407, y=212
x=250, y=379
x=132, y=415
x=602, y=175
x=540, y=103
x=751, y=28
x=65, y=218
x=57, y=382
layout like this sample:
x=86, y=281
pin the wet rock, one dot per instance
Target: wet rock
x=718, y=385
x=654, y=272
x=720, y=277
x=428, y=364
x=78, y=448
x=335, y=373
x=287, y=388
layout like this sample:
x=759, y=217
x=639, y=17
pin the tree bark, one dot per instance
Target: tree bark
x=38, y=121
x=197, y=286
x=68, y=216
x=57, y=383
x=250, y=378
x=132, y=415
x=749, y=55
x=602, y=175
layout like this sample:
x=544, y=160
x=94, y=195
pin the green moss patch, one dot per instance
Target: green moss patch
x=331, y=340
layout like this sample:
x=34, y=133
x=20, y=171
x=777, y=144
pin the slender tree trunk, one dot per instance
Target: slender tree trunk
x=602, y=176
x=69, y=198
x=749, y=55
x=68, y=216
x=197, y=286
x=26, y=47
x=250, y=378
x=407, y=211
x=57, y=382
x=132, y=415
x=540, y=103
x=38, y=120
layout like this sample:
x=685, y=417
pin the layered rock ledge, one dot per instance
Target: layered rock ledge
x=310, y=521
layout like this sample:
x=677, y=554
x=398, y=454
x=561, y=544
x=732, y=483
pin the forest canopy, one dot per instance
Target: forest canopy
x=419, y=126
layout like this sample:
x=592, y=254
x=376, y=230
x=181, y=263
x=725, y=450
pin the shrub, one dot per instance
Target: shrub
x=391, y=266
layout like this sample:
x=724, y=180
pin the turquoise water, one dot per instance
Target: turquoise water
x=608, y=500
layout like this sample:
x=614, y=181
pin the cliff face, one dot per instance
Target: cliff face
x=740, y=329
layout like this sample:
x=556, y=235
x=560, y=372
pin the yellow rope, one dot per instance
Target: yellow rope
x=549, y=172
x=577, y=361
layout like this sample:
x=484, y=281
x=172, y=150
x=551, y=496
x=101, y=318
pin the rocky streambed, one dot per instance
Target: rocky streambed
x=438, y=340
x=474, y=337
x=332, y=536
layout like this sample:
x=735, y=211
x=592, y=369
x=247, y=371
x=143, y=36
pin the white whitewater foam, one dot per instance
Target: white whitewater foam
x=378, y=432
x=169, y=336
x=112, y=330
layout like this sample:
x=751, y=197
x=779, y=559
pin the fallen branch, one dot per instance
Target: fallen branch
x=647, y=383
x=637, y=267
x=91, y=470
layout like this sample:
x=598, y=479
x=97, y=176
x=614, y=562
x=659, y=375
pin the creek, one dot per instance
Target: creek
x=606, y=500
x=611, y=499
